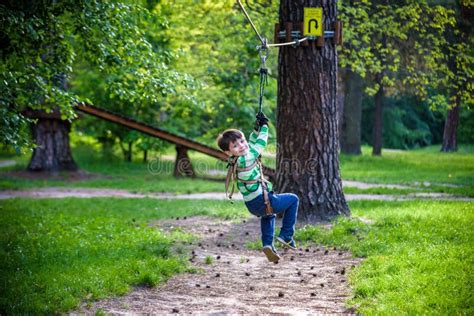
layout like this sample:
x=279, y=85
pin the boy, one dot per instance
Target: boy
x=257, y=192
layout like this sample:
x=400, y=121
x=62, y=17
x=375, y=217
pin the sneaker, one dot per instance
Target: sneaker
x=271, y=254
x=288, y=244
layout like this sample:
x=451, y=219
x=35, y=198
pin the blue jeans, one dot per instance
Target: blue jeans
x=285, y=202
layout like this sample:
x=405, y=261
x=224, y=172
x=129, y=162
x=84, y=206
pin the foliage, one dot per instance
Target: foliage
x=394, y=44
x=466, y=126
x=43, y=42
x=418, y=255
x=217, y=46
x=56, y=253
x=409, y=123
x=454, y=70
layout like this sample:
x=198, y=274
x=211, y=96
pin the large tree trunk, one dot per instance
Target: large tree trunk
x=377, y=133
x=52, y=151
x=307, y=121
x=450, y=130
x=352, y=114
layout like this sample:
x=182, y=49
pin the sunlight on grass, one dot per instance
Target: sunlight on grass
x=56, y=253
x=418, y=254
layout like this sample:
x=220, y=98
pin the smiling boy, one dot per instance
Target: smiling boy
x=261, y=201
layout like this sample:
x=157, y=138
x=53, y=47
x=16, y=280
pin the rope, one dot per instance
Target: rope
x=264, y=40
x=251, y=23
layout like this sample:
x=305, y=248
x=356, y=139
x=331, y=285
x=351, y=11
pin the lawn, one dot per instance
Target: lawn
x=57, y=253
x=426, y=170
x=418, y=255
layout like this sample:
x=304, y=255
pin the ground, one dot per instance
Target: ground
x=57, y=192
x=312, y=279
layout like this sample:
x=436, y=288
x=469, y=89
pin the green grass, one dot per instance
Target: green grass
x=56, y=253
x=426, y=170
x=411, y=167
x=418, y=256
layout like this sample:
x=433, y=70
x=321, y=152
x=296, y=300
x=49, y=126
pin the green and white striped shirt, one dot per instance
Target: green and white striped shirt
x=257, y=143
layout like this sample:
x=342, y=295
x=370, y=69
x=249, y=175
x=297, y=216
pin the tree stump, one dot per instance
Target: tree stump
x=51, y=136
x=183, y=165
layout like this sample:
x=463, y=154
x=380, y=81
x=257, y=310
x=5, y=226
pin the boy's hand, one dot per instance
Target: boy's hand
x=261, y=119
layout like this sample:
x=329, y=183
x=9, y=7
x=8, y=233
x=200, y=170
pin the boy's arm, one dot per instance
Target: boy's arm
x=253, y=137
x=260, y=142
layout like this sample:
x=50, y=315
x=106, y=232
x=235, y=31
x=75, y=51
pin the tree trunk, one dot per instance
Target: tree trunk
x=450, y=130
x=52, y=151
x=183, y=165
x=145, y=156
x=377, y=134
x=341, y=95
x=352, y=114
x=307, y=121
x=129, y=151
x=464, y=28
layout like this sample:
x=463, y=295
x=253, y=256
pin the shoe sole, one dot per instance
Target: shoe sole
x=271, y=255
x=285, y=244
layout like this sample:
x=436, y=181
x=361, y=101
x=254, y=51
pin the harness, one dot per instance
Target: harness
x=232, y=176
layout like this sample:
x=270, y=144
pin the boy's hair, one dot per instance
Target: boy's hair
x=226, y=137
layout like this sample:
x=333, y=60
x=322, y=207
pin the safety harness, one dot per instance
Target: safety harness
x=233, y=176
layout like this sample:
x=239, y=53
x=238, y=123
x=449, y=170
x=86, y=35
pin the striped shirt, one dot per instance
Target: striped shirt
x=257, y=143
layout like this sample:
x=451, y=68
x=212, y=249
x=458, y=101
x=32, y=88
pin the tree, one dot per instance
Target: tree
x=458, y=76
x=307, y=126
x=43, y=40
x=351, y=82
x=396, y=47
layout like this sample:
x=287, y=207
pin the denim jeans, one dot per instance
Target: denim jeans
x=284, y=202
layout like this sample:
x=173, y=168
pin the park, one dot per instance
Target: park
x=115, y=181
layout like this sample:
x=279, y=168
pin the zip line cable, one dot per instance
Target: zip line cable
x=264, y=40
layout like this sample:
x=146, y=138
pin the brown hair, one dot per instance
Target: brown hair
x=226, y=137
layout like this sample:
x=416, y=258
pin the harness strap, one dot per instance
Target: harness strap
x=232, y=176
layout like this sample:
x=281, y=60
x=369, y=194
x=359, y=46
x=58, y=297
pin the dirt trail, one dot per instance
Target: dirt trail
x=310, y=280
x=56, y=192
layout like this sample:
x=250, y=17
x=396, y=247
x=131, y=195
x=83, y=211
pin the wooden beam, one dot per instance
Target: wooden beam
x=158, y=132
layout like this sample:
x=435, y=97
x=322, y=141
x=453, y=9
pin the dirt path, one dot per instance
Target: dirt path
x=7, y=163
x=309, y=280
x=53, y=192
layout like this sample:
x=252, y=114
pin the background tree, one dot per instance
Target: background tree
x=395, y=47
x=307, y=128
x=456, y=76
x=44, y=39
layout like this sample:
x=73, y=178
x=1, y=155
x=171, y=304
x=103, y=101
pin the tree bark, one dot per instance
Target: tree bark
x=183, y=165
x=52, y=151
x=377, y=134
x=352, y=114
x=307, y=120
x=341, y=96
x=129, y=151
x=450, y=130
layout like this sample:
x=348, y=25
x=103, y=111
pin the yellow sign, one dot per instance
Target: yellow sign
x=313, y=22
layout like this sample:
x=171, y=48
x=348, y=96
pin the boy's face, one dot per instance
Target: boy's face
x=240, y=147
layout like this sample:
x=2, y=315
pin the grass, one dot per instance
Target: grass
x=426, y=170
x=412, y=167
x=418, y=255
x=56, y=253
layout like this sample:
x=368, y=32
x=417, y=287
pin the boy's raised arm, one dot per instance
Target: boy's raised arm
x=253, y=137
x=260, y=141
